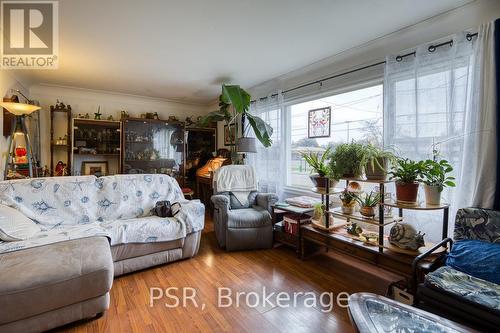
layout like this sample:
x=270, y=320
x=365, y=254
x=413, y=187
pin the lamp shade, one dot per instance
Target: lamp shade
x=246, y=145
x=19, y=109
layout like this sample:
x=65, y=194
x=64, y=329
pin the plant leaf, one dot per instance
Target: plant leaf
x=213, y=117
x=262, y=130
x=236, y=96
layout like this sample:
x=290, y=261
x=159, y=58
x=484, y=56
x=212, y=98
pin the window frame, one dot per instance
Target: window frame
x=286, y=111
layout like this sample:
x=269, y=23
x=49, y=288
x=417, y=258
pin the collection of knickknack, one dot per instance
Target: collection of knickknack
x=355, y=162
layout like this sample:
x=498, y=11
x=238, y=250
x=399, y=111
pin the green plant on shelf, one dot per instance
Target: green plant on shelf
x=406, y=171
x=436, y=173
x=346, y=159
x=317, y=161
x=368, y=200
x=373, y=155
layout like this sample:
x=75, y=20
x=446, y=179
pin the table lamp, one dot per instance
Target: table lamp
x=19, y=152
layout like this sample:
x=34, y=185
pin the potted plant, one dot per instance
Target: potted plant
x=368, y=203
x=348, y=199
x=347, y=158
x=407, y=174
x=376, y=162
x=436, y=178
x=317, y=162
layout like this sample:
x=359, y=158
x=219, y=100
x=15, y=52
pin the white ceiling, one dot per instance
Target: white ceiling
x=184, y=49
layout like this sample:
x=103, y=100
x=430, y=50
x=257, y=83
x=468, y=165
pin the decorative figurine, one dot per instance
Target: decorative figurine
x=124, y=114
x=98, y=114
x=61, y=169
x=354, y=229
x=110, y=118
x=404, y=235
x=172, y=119
x=189, y=121
x=80, y=115
x=155, y=116
x=87, y=116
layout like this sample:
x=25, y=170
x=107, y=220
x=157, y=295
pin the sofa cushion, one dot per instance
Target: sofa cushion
x=466, y=286
x=37, y=280
x=254, y=217
x=14, y=226
x=133, y=250
x=477, y=258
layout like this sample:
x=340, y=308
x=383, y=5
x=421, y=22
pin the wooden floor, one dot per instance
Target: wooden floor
x=277, y=269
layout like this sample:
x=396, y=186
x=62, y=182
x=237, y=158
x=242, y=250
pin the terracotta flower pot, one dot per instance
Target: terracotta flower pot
x=406, y=192
x=377, y=173
x=432, y=195
x=367, y=211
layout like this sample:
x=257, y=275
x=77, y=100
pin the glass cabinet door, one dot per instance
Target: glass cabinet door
x=154, y=146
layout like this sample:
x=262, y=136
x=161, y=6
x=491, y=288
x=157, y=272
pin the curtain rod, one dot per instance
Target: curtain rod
x=431, y=48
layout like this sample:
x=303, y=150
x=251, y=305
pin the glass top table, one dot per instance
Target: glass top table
x=372, y=313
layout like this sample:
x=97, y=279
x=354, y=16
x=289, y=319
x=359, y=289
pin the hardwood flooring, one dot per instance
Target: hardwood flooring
x=277, y=269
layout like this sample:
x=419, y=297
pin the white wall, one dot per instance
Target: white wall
x=8, y=81
x=87, y=101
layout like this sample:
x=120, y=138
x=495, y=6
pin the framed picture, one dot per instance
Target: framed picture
x=96, y=168
x=318, y=124
x=229, y=135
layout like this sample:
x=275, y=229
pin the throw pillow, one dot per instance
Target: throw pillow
x=14, y=226
x=477, y=258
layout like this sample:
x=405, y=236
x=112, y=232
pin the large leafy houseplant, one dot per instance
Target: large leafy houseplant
x=436, y=177
x=407, y=174
x=234, y=103
x=347, y=159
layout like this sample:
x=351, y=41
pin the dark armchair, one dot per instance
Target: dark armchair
x=458, y=295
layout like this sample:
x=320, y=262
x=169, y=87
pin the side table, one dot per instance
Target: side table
x=279, y=234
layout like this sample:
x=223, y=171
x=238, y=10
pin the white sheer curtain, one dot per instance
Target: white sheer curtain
x=269, y=163
x=447, y=98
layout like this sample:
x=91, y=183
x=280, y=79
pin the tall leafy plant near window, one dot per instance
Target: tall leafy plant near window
x=234, y=102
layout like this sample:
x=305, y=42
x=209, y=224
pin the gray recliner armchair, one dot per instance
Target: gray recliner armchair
x=248, y=227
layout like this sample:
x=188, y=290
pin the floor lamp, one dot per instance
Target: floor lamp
x=16, y=157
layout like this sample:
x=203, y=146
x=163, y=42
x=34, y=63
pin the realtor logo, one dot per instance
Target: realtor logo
x=30, y=34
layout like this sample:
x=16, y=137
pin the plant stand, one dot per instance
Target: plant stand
x=380, y=253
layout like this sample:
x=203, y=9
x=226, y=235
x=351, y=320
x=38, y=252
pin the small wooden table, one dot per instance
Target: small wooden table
x=282, y=237
x=372, y=313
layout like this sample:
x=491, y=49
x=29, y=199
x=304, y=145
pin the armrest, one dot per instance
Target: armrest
x=221, y=202
x=266, y=200
x=418, y=259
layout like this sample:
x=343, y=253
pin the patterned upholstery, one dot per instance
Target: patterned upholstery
x=477, y=224
x=115, y=206
x=463, y=285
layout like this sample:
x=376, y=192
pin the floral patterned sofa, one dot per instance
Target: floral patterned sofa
x=460, y=295
x=90, y=229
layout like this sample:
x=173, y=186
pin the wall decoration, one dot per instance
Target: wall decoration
x=96, y=168
x=318, y=125
x=229, y=135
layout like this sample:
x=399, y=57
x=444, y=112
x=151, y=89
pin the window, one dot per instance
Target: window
x=355, y=115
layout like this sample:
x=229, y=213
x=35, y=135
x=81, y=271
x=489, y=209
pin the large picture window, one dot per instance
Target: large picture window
x=355, y=115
